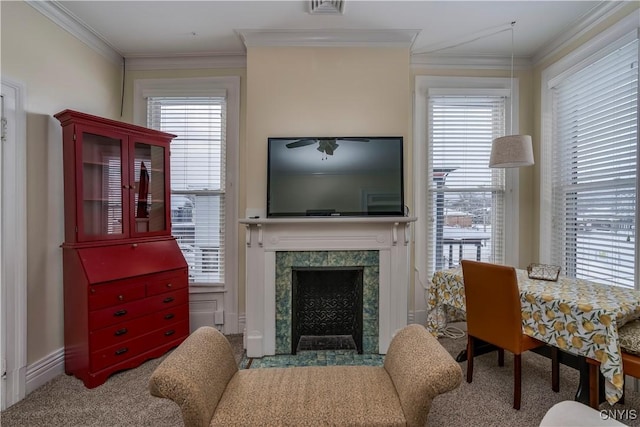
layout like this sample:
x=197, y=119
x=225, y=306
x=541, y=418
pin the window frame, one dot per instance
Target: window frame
x=183, y=185
x=204, y=86
x=597, y=48
x=423, y=84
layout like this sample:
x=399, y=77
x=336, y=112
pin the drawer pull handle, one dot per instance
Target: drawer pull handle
x=169, y=285
x=121, y=332
x=169, y=316
x=121, y=351
x=167, y=300
x=169, y=332
x=120, y=313
x=120, y=297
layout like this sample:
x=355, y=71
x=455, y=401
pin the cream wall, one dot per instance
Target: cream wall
x=322, y=91
x=58, y=72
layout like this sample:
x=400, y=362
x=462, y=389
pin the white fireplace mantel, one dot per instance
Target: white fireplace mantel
x=264, y=237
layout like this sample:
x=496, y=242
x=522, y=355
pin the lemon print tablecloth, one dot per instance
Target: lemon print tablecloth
x=578, y=316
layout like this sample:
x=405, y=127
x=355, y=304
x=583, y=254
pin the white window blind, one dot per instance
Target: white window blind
x=466, y=198
x=595, y=169
x=197, y=178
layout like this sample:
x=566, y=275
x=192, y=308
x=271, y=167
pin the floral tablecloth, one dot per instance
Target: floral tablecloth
x=578, y=316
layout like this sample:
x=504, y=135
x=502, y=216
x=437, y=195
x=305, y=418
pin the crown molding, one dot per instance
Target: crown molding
x=442, y=61
x=69, y=22
x=475, y=62
x=183, y=62
x=597, y=15
x=328, y=38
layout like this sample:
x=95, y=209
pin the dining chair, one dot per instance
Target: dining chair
x=629, y=336
x=494, y=315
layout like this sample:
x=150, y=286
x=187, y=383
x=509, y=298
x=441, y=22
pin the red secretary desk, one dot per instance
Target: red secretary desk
x=126, y=296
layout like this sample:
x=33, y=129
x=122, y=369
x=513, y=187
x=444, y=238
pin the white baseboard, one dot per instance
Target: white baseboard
x=419, y=317
x=242, y=319
x=44, y=370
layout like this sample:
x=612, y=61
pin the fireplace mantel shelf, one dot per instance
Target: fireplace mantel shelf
x=329, y=220
x=324, y=222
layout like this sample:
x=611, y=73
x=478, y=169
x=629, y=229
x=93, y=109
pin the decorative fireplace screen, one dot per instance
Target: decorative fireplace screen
x=326, y=307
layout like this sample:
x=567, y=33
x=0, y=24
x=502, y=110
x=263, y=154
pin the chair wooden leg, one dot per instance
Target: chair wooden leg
x=555, y=369
x=469, y=358
x=517, y=380
x=594, y=387
x=501, y=357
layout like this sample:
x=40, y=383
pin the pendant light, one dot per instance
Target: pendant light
x=511, y=151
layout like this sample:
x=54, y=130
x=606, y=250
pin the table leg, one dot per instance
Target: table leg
x=480, y=347
x=571, y=360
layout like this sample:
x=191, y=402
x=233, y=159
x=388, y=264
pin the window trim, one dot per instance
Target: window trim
x=601, y=45
x=209, y=86
x=512, y=209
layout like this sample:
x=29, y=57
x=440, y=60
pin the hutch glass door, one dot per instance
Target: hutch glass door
x=102, y=187
x=149, y=188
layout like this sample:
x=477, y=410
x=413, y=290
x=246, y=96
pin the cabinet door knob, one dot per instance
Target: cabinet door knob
x=169, y=285
x=120, y=297
x=135, y=245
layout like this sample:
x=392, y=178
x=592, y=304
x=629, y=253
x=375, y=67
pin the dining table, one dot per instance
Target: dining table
x=579, y=316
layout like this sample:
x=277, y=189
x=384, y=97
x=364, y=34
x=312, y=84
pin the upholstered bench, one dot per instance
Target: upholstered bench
x=202, y=377
x=629, y=337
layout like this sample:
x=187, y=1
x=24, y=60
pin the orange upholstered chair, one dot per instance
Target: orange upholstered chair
x=494, y=315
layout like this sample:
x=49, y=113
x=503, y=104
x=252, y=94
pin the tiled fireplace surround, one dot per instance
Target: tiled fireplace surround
x=275, y=246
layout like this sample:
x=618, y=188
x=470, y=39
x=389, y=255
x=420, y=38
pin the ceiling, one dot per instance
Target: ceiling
x=136, y=29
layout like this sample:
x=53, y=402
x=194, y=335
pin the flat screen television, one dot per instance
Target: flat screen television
x=335, y=176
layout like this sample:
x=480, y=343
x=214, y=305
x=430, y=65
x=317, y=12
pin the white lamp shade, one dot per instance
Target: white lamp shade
x=511, y=151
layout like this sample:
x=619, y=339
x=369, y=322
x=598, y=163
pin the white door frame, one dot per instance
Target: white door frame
x=13, y=244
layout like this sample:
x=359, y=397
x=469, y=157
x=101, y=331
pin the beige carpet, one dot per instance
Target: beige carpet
x=124, y=399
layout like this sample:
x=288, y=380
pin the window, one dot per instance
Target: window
x=594, y=188
x=197, y=178
x=466, y=197
x=464, y=209
x=204, y=114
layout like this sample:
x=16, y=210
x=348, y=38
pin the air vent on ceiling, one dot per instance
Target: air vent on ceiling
x=335, y=7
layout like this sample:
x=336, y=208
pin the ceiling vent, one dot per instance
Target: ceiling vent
x=326, y=7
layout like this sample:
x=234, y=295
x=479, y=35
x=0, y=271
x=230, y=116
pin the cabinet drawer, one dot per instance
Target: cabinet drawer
x=166, y=300
x=115, y=293
x=120, y=313
x=124, y=331
x=166, y=282
x=127, y=349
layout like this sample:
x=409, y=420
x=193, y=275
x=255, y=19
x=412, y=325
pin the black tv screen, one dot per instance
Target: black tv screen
x=335, y=176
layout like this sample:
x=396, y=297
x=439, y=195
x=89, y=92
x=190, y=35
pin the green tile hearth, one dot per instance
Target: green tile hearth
x=313, y=358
